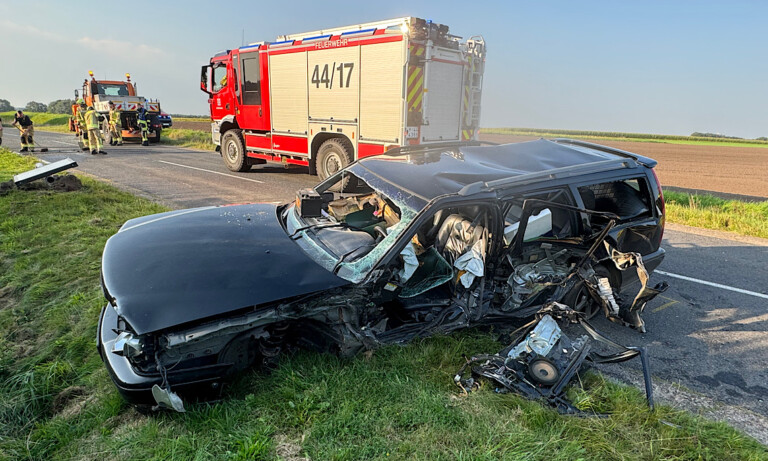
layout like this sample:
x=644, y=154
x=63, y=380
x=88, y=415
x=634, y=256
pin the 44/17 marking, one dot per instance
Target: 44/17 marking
x=319, y=77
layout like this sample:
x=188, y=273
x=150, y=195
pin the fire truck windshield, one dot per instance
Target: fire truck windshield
x=112, y=89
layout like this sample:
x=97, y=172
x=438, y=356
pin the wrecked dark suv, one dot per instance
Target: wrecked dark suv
x=425, y=240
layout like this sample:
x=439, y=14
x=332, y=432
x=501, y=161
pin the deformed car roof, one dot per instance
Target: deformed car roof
x=432, y=172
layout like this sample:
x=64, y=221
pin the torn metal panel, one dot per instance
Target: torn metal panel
x=43, y=171
x=627, y=314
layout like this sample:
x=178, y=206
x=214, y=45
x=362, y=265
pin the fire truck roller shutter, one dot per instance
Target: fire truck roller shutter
x=381, y=92
x=288, y=92
x=443, y=104
x=334, y=84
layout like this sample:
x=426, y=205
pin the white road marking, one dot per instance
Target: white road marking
x=210, y=171
x=712, y=284
x=65, y=143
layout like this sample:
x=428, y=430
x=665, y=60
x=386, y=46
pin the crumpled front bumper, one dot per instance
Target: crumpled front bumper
x=135, y=387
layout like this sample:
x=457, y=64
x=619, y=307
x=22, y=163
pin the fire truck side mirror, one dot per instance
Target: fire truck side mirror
x=204, y=79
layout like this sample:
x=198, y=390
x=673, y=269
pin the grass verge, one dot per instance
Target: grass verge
x=193, y=139
x=634, y=137
x=397, y=403
x=716, y=213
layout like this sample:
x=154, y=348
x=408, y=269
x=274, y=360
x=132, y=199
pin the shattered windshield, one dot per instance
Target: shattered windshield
x=349, y=232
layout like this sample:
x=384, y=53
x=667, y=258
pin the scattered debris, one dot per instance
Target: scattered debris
x=60, y=183
x=545, y=360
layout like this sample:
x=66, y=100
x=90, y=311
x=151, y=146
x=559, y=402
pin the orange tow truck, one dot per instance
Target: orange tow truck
x=99, y=93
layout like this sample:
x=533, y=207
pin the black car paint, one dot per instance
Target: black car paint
x=184, y=266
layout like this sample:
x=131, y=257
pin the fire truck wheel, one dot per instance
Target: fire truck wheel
x=233, y=151
x=156, y=137
x=334, y=155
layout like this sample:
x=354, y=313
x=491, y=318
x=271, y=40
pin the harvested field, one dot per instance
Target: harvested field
x=203, y=125
x=720, y=169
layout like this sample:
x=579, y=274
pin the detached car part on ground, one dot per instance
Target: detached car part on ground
x=545, y=361
x=427, y=240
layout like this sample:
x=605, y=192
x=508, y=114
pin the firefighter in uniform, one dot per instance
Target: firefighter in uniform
x=24, y=124
x=142, y=116
x=81, y=110
x=115, y=125
x=94, y=133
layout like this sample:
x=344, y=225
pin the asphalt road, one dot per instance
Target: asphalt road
x=706, y=339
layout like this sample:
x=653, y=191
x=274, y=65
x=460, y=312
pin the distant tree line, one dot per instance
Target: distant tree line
x=59, y=106
x=696, y=134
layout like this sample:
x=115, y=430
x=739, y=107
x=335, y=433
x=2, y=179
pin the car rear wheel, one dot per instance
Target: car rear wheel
x=334, y=155
x=581, y=300
x=233, y=151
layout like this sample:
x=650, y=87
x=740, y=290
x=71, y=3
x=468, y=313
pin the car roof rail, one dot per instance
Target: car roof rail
x=537, y=176
x=404, y=150
x=609, y=150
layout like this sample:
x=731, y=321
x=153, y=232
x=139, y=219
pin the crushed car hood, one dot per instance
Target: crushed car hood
x=172, y=268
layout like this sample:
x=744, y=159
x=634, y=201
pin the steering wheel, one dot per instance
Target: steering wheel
x=382, y=234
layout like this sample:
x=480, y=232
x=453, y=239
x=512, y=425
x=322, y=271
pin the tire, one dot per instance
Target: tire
x=233, y=151
x=334, y=154
x=581, y=300
x=156, y=137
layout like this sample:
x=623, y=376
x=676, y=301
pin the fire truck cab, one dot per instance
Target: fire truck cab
x=325, y=98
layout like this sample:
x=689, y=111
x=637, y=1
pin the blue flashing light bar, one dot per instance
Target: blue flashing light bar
x=357, y=32
x=316, y=37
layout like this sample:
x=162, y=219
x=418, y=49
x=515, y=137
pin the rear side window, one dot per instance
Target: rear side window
x=627, y=198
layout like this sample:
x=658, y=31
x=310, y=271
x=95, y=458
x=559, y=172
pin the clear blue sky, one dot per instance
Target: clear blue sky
x=642, y=66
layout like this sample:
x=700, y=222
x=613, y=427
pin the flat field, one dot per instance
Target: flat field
x=722, y=169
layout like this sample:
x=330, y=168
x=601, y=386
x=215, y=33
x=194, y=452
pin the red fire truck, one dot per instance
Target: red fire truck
x=328, y=97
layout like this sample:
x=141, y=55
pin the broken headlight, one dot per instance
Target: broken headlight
x=128, y=345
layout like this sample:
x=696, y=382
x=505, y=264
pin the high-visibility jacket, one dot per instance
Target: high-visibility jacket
x=92, y=120
x=81, y=116
x=114, y=117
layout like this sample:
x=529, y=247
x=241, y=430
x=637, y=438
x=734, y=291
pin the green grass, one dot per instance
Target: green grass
x=43, y=122
x=635, y=137
x=716, y=213
x=38, y=118
x=397, y=403
x=192, y=139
